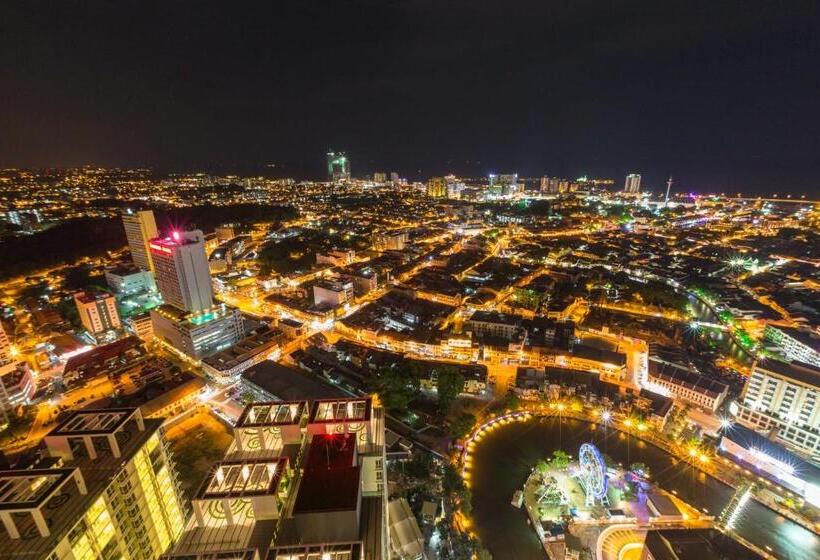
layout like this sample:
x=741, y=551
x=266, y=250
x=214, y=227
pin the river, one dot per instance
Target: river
x=505, y=456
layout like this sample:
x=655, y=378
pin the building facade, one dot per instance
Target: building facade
x=784, y=399
x=140, y=228
x=181, y=269
x=198, y=335
x=632, y=184
x=98, y=311
x=797, y=345
x=108, y=490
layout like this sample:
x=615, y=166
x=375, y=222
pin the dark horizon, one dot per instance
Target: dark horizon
x=720, y=95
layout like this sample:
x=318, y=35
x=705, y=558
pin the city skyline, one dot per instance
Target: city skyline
x=720, y=96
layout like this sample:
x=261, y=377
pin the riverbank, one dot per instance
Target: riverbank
x=709, y=467
x=501, y=458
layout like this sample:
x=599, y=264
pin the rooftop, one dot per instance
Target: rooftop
x=334, y=410
x=798, y=371
x=331, y=478
x=237, y=479
x=272, y=414
x=94, y=422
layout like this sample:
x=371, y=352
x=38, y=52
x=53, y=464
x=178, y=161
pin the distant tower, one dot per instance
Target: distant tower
x=668, y=188
x=437, y=187
x=632, y=184
x=140, y=228
x=338, y=166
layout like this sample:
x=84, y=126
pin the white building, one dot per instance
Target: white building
x=686, y=384
x=140, y=228
x=181, y=269
x=633, y=183
x=799, y=345
x=332, y=293
x=198, y=334
x=783, y=398
x=129, y=280
x=98, y=311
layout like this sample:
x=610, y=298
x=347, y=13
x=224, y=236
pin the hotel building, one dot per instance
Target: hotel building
x=189, y=321
x=782, y=399
x=106, y=490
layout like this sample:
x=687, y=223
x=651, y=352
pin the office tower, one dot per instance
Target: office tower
x=784, y=399
x=338, y=166
x=98, y=311
x=380, y=177
x=437, y=187
x=394, y=178
x=140, y=228
x=107, y=490
x=181, y=269
x=632, y=185
x=300, y=481
x=188, y=321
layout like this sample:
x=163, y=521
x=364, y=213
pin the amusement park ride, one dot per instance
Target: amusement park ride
x=592, y=476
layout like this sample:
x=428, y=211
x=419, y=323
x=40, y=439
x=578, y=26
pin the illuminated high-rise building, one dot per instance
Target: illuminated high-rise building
x=5, y=347
x=188, y=321
x=338, y=166
x=98, y=311
x=140, y=228
x=181, y=268
x=107, y=490
x=437, y=187
x=632, y=184
x=783, y=399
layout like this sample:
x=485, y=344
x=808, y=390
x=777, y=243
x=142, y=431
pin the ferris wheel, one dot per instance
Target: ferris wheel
x=592, y=474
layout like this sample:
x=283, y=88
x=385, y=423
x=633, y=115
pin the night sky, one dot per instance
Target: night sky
x=723, y=95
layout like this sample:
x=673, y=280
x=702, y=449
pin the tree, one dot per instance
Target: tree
x=560, y=459
x=449, y=385
x=451, y=481
x=419, y=466
x=639, y=469
x=396, y=388
x=462, y=425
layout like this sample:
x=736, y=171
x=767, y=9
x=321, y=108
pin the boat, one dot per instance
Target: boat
x=518, y=498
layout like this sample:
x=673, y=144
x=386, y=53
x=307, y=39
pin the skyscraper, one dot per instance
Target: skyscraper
x=437, y=187
x=5, y=347
x=188, y=321
x=140, y=228
x=633, y=183
x=181, y=268
x=113, y=493
x=98, y=311
x=338, y=166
